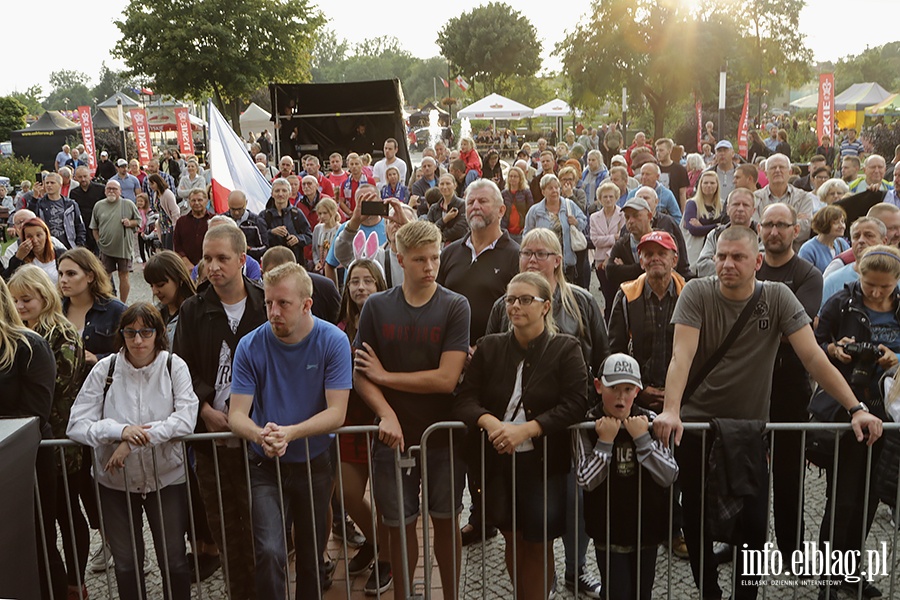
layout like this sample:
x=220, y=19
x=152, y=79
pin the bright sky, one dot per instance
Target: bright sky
x=41, y=50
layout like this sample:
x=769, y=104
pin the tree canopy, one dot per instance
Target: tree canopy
x=490, y=45
x=376, y=58
x=229, y=48
x=12, y=116
x=881, y=65
x=667, y=52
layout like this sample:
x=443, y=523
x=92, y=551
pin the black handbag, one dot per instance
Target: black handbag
x=820, y=443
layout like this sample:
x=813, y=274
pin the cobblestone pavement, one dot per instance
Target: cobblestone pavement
x=493, y=582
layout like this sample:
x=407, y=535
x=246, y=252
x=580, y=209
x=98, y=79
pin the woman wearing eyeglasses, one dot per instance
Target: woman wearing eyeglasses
x=524, y=387
x=132, y=406
x=576, y=313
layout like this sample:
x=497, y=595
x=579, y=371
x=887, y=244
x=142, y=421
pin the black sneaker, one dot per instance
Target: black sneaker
x=355, y=539
x=588, y=586
x=869, y=591
x=380, y=579
x=362, y=560
x=473, y=535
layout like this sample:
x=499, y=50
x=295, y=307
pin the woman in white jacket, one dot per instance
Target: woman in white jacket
x=131, y=409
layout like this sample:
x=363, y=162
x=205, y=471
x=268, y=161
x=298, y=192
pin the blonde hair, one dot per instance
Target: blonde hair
x=294, y=271
x=881, y=258
x=701, y=201
x=330, y=207
x=522, y=184
x=30, y=278
x=12, y=331
x=546, y=238
x=417, y=234
x=607, y=186
x=540, y=283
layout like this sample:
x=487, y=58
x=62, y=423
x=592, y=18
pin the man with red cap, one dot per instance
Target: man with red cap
x=641, y=325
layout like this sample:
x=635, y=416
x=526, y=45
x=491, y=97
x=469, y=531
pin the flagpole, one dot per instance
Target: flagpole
x=449, y=93
x=434, y=87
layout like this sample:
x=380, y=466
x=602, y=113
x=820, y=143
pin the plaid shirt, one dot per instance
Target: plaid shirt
x=658, y=316
x=145, y=186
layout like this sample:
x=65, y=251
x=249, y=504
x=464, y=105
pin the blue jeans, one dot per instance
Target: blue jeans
x=471, y=176
x=167, y=514
x=269, y=522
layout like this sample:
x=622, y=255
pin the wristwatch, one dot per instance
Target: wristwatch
x=857, y=408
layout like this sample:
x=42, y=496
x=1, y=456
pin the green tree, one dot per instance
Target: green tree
x=112, y=81
x=30, y=99
x=666, y=52
x=881, y=65
x=329, y=55
x=490, y=45
x=18, y=168
x=227, y=48
x=69, y=91
x=12, y=116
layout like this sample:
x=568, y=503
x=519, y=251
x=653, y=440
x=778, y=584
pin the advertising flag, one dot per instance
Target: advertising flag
x=232, y=168
x=825, y=118
x=744, y=126
x=87, y=136
x=141, y=134
x=185, y=138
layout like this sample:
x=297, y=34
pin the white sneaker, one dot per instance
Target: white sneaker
x=101, y=560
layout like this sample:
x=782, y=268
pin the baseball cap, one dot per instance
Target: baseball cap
x=637, y=204
x=621, y=368
x=104, y=153
x=121, y=163
x=662, y=238
x=724, y=144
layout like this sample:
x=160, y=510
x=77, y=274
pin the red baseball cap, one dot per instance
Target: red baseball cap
x=662, y=238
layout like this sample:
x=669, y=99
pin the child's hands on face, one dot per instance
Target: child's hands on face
x=607, y=428
x=637, y=426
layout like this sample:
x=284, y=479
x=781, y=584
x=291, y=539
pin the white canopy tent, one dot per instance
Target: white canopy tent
x=495, y=106
x=559, y=109
x=255, y=119
x=554, y=108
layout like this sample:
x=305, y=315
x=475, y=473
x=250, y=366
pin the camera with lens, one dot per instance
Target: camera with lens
x=864, y=355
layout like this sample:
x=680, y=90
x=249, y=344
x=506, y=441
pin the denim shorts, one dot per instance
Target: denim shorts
x=443, y=500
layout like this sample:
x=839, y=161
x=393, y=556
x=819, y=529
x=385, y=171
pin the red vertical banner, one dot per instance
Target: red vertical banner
x=141, y=134
x=87, y=136
x=699, y=108
x=744, y=126
x=825, y=118
x=185, y=138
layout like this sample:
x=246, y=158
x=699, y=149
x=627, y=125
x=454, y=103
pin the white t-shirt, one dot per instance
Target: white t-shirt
x=381, y=167
x=48, y=267
x=223, y=373
x=517, y=416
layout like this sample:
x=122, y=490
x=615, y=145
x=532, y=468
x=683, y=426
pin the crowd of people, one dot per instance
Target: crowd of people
x=457, y=290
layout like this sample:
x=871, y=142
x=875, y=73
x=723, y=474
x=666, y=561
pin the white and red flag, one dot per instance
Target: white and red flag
x=232, y=168
x=462, y=83
x=445, y=82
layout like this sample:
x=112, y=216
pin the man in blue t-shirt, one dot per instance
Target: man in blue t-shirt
x=411, y=345
x=295, y=373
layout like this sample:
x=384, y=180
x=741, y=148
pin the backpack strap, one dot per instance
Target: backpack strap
x=109, y=376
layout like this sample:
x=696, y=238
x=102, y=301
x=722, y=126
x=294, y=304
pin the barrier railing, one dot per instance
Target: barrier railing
x=758, y=565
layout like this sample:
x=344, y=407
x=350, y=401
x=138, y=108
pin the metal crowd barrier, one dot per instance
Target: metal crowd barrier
x=423, y=589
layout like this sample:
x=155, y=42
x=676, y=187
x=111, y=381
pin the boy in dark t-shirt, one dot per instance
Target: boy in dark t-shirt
x=411, y=346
